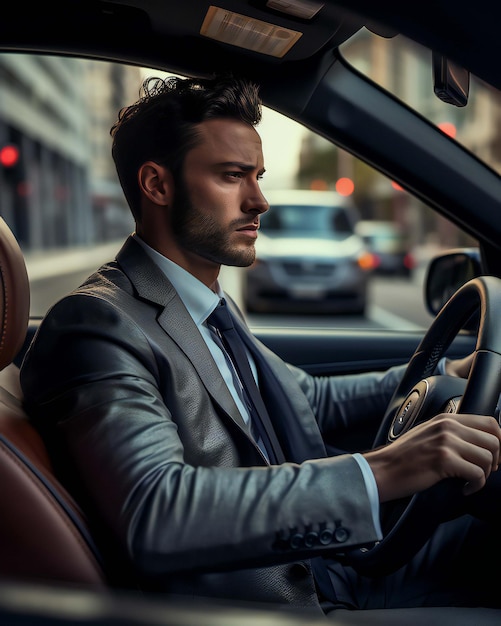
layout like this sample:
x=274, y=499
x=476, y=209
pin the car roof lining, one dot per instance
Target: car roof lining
x=142, y=34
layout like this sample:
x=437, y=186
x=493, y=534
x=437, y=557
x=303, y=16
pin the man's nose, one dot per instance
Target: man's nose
x=257, y=203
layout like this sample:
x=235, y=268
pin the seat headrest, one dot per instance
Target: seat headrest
x=14, y=296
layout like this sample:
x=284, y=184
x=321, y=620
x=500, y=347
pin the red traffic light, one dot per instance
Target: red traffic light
x=9, y=155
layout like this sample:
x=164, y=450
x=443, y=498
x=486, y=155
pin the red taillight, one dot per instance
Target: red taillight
x=409, y=261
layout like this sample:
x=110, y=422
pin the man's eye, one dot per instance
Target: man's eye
x=234, y=174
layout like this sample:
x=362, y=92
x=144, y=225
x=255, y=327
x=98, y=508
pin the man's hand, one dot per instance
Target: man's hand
x=447, y=446
x=459, y=367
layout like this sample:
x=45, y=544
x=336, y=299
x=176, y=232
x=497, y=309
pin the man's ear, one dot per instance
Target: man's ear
x=156, y=183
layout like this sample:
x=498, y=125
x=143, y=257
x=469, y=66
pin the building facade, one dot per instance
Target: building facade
x=58, y=186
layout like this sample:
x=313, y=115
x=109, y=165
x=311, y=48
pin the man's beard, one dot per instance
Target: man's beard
x=200, y=233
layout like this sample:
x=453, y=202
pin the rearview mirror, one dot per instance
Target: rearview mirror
x=451, y=82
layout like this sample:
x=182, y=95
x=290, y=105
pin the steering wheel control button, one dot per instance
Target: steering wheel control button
x=453, y=405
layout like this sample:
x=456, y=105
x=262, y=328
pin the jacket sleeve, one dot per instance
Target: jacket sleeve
x=349, y=404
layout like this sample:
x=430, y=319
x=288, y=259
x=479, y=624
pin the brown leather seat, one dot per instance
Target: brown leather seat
x=44, y=535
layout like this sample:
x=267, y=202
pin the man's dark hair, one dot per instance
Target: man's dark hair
x=160, y=126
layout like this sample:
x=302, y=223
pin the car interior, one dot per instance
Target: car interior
x=59, y=557
x=51, y=570
x=27, y=478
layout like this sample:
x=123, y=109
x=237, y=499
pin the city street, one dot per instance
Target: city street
x=395, y=303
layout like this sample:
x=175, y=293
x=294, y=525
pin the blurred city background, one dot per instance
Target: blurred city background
x=58, y=187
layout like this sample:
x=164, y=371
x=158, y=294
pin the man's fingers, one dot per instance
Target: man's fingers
x=462, y=446
x=478, y=450
x=484, y=432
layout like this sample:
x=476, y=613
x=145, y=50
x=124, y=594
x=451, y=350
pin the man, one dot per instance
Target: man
x=145, y=410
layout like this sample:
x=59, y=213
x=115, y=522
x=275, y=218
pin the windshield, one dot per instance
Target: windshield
x=60, y=195
x=404, y=68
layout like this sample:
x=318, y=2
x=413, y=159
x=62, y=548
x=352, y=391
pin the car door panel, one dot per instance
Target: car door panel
x=323, y=352
x=336, y=352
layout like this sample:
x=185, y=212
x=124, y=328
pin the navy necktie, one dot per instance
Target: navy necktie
x=234, y=346
x=220, y=319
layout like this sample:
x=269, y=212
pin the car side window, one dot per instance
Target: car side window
x=63, y=202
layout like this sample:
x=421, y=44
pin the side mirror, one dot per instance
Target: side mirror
x=446, y=274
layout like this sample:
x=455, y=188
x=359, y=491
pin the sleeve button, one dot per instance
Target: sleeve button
x=310, y=539
x=341, y=535
x=325, y=536
x=296, y=541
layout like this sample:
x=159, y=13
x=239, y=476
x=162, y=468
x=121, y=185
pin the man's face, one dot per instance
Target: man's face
x=218, y=202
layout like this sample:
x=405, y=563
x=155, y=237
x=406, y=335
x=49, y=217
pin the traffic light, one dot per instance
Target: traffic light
x=11, y=169
x=9, y=156
x=10, y=165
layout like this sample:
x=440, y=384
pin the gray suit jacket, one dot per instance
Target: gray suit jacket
x=127, y=395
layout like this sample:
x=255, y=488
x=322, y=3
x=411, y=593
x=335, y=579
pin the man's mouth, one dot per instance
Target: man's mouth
x=249, y=229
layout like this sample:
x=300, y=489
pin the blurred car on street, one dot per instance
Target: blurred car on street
x=390, y=246
x=309, y=256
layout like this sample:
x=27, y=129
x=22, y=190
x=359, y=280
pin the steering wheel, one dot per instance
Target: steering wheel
x=408, y=523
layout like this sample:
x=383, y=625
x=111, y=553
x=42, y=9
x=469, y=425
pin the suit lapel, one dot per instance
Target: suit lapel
x=152, y=285
x=282, y=394
x=178, y=324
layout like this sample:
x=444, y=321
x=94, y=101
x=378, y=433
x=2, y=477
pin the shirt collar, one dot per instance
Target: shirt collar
x=197, y=297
